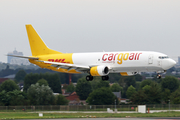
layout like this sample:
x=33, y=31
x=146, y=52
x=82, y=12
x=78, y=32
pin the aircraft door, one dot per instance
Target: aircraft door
x=150, y=59
x=159, y=63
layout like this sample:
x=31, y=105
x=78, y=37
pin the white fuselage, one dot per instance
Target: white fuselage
x=127, y=61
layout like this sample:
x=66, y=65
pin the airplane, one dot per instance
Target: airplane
x=126, y=63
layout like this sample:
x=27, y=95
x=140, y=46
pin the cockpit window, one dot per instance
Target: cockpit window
x=163, y=57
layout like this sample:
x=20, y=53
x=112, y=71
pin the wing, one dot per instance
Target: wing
x=27, y=57
x=78, y=68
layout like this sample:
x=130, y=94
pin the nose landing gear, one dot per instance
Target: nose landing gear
x=158, y=76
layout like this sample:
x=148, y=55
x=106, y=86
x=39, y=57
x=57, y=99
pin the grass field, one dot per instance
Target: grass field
x=26, y=115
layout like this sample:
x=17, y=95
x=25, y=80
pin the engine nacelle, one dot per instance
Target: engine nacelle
x=128, y=73
x=99, y=71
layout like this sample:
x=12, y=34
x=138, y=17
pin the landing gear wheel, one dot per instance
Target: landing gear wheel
x=158, y=76
x=89, y=78
x=104, y=78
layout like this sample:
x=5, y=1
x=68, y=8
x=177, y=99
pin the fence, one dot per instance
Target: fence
x=85, y=108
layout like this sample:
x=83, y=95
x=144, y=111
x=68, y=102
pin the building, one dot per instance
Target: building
x=10, y=76
x=15, y=60
x=178, y=60
x=74, y=99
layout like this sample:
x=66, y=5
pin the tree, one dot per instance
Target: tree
x=83, y=88
x=9, y=85
x=101, y=96
x=130, y=80
x=12, y=98
x=16, y=98
x=61, y=100
x=52, y=79
x=138, y=77
x=125, y=82
x=154, y=93
x=149, y=94
x=40, y=95
x=114, y=77
x=138, y=85
x=94, y=82
x=116, y=88
x=42, y=82
x=175, y=97
x=145, y=82
x=166, y=95
x=130, y=91
x=30, y=79
x=139, y=98
x=146, y=88
x=103, y=84
x=170, y=83
x=4, y=98
x=70, y=88
x=64, y=77
x=20, y=75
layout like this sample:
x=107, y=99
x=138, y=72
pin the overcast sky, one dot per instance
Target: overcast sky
x=92, y=25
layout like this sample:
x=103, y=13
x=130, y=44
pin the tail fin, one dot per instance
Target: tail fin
x=37, y=45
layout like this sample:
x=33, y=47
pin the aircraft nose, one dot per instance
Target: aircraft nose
x=167, y=64
x=172, y=62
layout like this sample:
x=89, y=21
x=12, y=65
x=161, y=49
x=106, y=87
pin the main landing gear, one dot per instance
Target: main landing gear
x=90, y=78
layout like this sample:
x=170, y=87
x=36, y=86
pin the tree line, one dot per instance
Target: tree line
x=96, y=92
x=151, y=92
x=138, y=92
x=37, y=94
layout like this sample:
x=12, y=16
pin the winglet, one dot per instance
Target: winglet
x=38, y=47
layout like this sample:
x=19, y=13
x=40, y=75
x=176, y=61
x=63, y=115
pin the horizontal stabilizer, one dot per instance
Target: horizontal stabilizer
x=33, y=58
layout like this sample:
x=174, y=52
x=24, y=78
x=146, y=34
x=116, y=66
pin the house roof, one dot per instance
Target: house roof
x=74, y=93
x=3, y=79
x=10, y=76
x=72, y=96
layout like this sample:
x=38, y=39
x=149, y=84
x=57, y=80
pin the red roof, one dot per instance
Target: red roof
x=3, y=79
x=74, y=93
x=73, y=96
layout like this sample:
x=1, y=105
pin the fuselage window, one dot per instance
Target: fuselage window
x=163, y=57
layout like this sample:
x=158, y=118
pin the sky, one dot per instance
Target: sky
x=73, y=26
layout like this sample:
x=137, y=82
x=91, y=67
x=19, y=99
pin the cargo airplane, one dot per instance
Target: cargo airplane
x=97, y=63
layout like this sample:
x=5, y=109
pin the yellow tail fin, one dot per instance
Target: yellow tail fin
x=37, y=45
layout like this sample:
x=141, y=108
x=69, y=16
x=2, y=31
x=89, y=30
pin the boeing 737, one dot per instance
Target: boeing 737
x=97, y=63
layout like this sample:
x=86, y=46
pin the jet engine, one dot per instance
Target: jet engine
x=99, y=71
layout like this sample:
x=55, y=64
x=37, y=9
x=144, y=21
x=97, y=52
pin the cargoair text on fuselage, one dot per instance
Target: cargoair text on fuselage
x=97, y=63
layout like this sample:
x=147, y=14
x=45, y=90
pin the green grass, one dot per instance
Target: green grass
x=26, y=115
